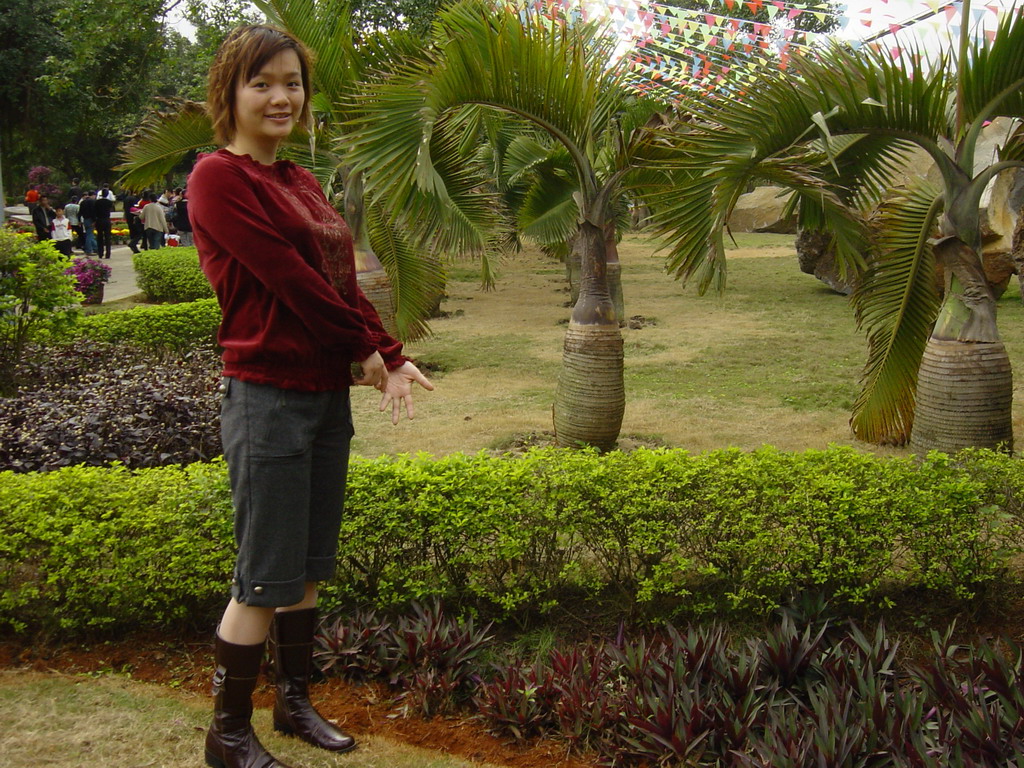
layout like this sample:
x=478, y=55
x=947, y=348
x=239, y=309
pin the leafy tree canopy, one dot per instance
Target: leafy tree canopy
x=414, y=15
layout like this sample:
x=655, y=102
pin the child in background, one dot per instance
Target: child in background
x=60, y=231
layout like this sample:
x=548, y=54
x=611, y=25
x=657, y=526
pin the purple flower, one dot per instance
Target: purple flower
x=89, y=274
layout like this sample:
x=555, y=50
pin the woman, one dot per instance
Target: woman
x=294, y=326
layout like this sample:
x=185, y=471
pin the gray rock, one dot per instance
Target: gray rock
x=762, y=211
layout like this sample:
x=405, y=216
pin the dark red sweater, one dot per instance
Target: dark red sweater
x=280, y=260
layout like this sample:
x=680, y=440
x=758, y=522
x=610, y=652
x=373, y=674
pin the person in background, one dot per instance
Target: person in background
x=104, y=207
x=87, y=213
x=181, y=220
x=75, y=190
x=42, y=218
x=167, y=200
x=136, y=232
x=60, y=230
x=31, y=198
x=297, y=332
x=154, y=222
x=71, y=211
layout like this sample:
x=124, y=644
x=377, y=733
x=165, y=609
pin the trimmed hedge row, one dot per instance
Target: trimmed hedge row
x=176, y=327
x=171, y=274
x=106, y=548
x=661, y=532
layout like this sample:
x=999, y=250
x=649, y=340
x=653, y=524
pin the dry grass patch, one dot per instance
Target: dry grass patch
x=776, y=359
x=62, y=721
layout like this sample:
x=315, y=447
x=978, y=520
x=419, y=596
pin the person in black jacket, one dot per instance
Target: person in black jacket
x=104, y=207
x=87, y=213
x=132, y=206
x=42, y=218
x=181, y=222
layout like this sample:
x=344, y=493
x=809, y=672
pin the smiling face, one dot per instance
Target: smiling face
x=267, y=106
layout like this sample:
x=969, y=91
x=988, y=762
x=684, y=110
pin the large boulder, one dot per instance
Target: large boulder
x=1001, y=204
x=817, y=257
x=762, y=211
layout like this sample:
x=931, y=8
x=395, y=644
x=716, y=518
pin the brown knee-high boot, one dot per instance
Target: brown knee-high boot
x=231, y=742
x=291, y=647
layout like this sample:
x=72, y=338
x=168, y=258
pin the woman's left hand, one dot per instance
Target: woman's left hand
x=399, y=390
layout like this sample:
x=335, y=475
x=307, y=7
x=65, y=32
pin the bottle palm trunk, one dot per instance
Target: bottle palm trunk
x=611, y=255
x=590, y=398
x=370, y=273
x=964, y=396
x=965, y=386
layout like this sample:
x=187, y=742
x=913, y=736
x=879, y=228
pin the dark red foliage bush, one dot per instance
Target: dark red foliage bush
x=94, y=404
x=808, y=693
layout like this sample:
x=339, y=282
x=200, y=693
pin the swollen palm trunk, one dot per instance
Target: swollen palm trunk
x=614, y=267
x=376, y=286
x=964, y=397
x=964, y=385
x=591, y=397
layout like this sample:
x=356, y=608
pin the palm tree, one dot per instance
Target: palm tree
x=563, y=80
x=833, y=130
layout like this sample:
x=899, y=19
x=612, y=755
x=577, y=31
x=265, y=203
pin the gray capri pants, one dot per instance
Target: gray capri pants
x=287, y=454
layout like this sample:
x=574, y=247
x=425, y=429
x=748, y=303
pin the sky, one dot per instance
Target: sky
x=940, y=30
x=861, y=19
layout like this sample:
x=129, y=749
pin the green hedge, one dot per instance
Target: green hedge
x=652, y=531
x=91, y=548
x=177, y=327
x=171, y=274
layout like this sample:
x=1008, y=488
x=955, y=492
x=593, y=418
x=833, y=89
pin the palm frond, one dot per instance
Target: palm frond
x=526, y=153
x=325, y=27
x=1013, y=148
x=866, y=91
x=416, y=278
x=316, y=154
x=548, y=213
x=547, y=74
x=863, y=166
x=161, y=142
x=896, y=305
x=996, y=67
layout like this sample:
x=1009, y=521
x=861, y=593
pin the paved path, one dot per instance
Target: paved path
x=122, y=279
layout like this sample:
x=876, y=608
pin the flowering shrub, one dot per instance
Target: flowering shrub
x=90, y=275
x=39, y=175
x=19, y=227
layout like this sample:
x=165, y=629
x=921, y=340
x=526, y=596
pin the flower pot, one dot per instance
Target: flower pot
x=94, y=297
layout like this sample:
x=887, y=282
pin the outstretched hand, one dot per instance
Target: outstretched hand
x=399, y=390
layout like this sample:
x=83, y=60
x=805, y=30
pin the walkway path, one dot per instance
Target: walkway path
x=122, y=280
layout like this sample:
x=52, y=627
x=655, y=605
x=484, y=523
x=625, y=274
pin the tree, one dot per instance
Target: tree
x=564, y=80
x=833, y=131
x=370, y=16
x=27, y=37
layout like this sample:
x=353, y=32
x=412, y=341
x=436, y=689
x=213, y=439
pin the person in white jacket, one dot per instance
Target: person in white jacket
x=60, y=231
x=154, y=222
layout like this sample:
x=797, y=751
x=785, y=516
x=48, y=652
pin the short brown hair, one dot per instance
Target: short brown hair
x=240, y=57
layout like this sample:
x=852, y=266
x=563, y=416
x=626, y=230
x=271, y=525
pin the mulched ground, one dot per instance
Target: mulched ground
x=360, y=709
